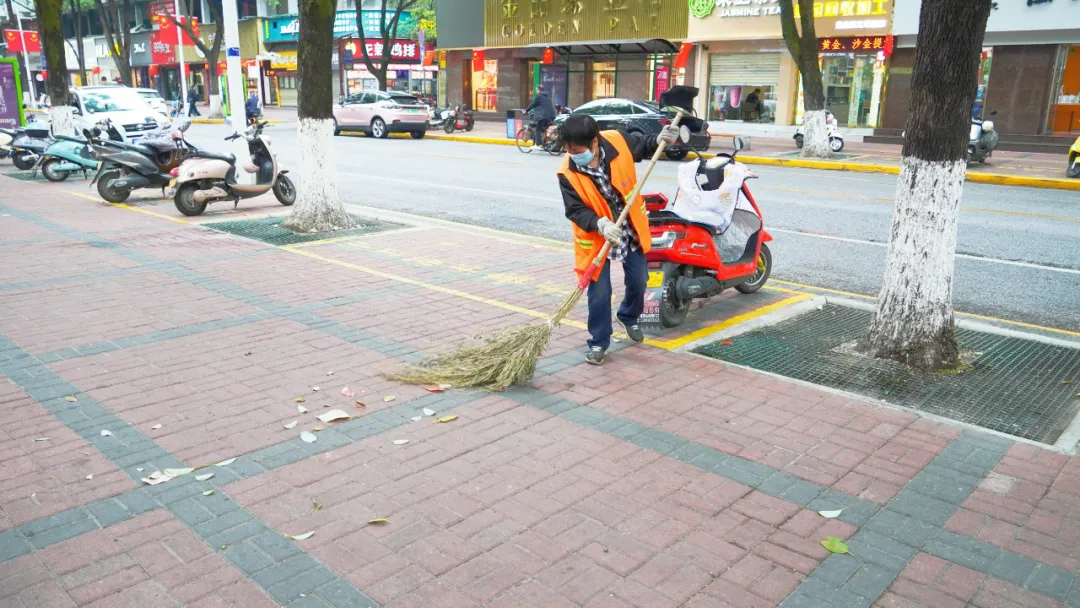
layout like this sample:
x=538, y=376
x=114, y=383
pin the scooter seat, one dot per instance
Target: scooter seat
x=72, y=138
x=657, y=218
x=229, y=158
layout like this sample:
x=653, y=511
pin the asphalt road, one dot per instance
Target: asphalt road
x=1018, y=248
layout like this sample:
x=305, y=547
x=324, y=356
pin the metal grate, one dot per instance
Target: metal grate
x=26, y=176
x=1020, y=387
x=269, y=230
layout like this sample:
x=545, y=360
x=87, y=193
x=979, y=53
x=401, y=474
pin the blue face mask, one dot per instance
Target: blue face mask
x=582, y=159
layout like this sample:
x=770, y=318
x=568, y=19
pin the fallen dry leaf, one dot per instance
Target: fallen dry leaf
x=447, y=419
x=299, y=400
x=315, y=388
x=155, y=478
x=301, y=409
x=203, y=477
x=830, y=514
x=401, y=441
x=178, y=472
x=834, y=545
x=156, y=426
x=90, y=476
x=71, y=398
x=307, y=437
x=333, y=415
x=315, y=506
x=225, y=463
x=329, y=373
x=291, y=424
x=317, y=428
x=427, y=411
x=345, y=391
x=434, y=389
x=208, y=493
x=416, y=418
x=389, y=398
x=41, y=438
x=304, y=536
x=360, y=403
x=727, y=341
x=378, y=521
x=106, y=433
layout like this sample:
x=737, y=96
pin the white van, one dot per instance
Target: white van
x=125, y=107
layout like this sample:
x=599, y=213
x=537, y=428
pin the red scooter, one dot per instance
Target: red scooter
x=685, y=264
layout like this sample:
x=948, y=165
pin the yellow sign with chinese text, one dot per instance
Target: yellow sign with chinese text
x=754, y=19
x=514, y=23
x=285, y=60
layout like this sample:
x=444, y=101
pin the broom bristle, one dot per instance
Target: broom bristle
x=502, y=359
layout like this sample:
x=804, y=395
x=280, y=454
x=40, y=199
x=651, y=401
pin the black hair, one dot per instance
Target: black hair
x=540, y=87
x=580, y=130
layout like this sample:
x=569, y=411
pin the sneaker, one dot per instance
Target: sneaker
x=595, y=355
x=635, y=333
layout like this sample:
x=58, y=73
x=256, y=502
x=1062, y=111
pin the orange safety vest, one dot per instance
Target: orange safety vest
x=623, y=177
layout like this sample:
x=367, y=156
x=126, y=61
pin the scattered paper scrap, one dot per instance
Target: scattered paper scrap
x=317, y=428
x=834, y=545
x=304, y=536
x=71, y=398
x=401, y=441
x=416, y=418
x=301, y=409
x=106, y=433
x=427, y=411
x=727, y=341
x=315, y=388
x=389, y=398
x=156, y=426
x=225, y=463
x=447, y=419
x=203, y=477
x=178, y=472
x=334, y=415
x=155, y=478
x=90, y=476
x=291, y=424
x=41, y=438
x=299, y=400
x=308, y=437
x=378, y=521
x=329, y=373
x=345, y=391
x=831, y=514
x=139, y=469
x=208, y=493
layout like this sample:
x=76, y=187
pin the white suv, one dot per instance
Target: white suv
x=123, y=106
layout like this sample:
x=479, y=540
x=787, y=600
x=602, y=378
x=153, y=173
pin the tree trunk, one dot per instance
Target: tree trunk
x=913, y=322
x=802, y=43
x=56, y=85
x=115, y=20
x=318, y=206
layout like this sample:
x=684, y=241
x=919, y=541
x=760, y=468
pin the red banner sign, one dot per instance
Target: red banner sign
x=161, y=49
x=856, y=44
x=478, y=61
x=22, y=40
x=168, y=31
x=684, y=54
x=549, y=56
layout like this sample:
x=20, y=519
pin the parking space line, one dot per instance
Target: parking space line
x=681, y=341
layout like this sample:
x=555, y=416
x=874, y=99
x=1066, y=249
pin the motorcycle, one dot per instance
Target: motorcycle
x=459, y=118
x=6, y=137
x=68, y=154
x=124, y=167
x=1073, y=169
x=437, y=116
x=694, y=259
x=208, y=177
x=29, y=144
x=836, y=140
x=982, y=140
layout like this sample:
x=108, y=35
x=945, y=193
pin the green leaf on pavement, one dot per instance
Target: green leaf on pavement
x=835, y=545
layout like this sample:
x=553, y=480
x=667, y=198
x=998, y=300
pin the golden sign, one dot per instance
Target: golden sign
x=849, y=8
x=509, y=23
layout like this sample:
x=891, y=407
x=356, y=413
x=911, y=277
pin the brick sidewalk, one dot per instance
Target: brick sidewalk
x=659, y=479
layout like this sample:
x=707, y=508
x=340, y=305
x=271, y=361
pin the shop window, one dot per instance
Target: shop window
x=286, y=82
x=486, y=87
x=979, y=108
x=1066, y=111
x=603, y=79
x=853, y=84
x=747, y=103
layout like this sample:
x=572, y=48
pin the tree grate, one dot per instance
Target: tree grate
x=1019, y=387
x=268, y=230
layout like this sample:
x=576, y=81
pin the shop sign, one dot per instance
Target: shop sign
x=161, y=50
x=285, y=60
x=663, y=80
x=858, y=44
x=400, y=51
x=287, y=28
x=527, y=22
x=140, y=49
x=752, y=19
x=10, y=105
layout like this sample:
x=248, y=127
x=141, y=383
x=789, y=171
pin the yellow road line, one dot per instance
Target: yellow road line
x=130, y=208
x=1023, y=214
x=733, y=321
x=354, y=237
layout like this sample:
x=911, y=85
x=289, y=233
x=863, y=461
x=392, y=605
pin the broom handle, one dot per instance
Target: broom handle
x=599, y=259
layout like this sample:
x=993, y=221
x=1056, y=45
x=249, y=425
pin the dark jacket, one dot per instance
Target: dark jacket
x=193, y=95
x=545, y=110
x=251, y=106
x=576, y=210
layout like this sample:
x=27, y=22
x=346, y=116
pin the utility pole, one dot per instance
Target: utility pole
x=235, y=80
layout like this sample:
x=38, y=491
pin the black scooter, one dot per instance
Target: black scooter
x=124, y=167
x=29, y=145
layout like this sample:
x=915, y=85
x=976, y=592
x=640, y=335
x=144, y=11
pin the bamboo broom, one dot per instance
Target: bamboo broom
x=509, y=356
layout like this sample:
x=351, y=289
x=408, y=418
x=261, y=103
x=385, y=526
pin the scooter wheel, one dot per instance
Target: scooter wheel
x=185, y=200
x=448, y=126
x=470, y=124
x=113, y=195
x=799, y=141
x=48, y=169
x=22, y=161
x=673, y=309
x=836, y=144
x=285, y=191
x=1073, y=170
x=764, y=269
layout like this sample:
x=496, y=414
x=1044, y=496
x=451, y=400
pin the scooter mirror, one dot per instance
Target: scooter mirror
x=738, y=143
x=684, y=134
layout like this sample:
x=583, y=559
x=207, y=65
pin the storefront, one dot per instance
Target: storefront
x=405, y=71
x=1029, y=71
x=583, y=50
x=751, y=77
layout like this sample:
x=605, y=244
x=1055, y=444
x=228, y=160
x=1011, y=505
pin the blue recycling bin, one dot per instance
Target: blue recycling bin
x=514, y=124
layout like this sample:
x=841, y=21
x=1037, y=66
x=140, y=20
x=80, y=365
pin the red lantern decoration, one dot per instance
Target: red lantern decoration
x=187, y=69
x=153, y=70
x=96, y=70
x=44, y=74
x=221, y=67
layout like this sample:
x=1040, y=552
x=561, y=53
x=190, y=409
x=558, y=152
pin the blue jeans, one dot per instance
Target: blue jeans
x=636, y=274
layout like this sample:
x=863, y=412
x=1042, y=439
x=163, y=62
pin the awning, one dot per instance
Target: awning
x=653, y=46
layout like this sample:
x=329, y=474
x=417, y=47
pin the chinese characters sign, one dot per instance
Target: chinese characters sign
x=525, y=22
x=758, y=19
x=400, y=51
x=10, y=104
x=857, y=44
x=849, y=8
x=287, y=28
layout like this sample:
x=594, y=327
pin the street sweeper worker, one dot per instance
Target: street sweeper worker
x=597, y=175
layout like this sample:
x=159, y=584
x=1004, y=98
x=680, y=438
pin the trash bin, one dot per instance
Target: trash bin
x=514, y=124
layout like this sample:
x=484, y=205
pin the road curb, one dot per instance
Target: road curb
x=825, y=165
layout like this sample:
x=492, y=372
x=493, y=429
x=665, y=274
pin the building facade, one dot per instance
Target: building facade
x=741, y=55
x=1030, y=70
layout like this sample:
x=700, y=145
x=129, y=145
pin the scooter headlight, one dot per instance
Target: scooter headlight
x=664, y=241
x=988, y=125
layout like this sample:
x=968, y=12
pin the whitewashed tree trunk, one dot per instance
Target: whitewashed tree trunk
x=62, y=120
x=914, y=318
x=215, y=106
x=815, y=135
x=318, y=206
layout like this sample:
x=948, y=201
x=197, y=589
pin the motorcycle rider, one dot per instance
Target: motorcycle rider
x=597, y=175
x=251, y=107
x=544, y=113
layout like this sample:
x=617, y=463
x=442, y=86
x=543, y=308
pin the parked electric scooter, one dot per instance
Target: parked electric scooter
x=982, y=141
x=6, y=137
x=68, y=154
x=126, y=167
x=1073, y=170
x=29, y=144
x=836, y=140
x=458, y=118
x=208, y=177
x=685, y=262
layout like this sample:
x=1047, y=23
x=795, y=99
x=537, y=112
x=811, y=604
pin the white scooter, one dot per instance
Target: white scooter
x=836, y=140
x=982, y=140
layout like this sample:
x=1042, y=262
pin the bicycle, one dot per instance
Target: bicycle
x=551, y=142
